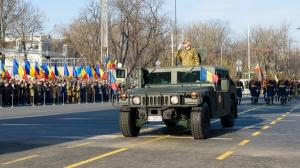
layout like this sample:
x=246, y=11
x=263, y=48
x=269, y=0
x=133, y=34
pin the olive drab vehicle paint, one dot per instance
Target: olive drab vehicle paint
x=176, y=94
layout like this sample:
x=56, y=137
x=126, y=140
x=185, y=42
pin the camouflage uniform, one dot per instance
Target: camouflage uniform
x=69, y=92
x=188, y=57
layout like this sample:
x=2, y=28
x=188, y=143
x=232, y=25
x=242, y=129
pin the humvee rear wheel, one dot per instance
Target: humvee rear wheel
x=228, y=121
x=170, y=123
x=200, y=122
x=127, y=121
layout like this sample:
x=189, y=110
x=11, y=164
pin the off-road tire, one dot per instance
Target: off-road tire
x=228, y=121
x=127, y=121
x=200, y=122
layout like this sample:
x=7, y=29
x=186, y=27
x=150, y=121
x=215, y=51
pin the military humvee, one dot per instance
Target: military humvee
x=177, y=94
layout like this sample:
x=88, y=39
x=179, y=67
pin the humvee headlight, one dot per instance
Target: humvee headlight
x=174, y=100
x=136, y=100
x=194, y=95
x=123, y=96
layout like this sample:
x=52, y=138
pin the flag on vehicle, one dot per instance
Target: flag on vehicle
x=208, y=76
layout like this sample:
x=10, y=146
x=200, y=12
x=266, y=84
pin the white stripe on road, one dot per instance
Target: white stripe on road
x=21, y=124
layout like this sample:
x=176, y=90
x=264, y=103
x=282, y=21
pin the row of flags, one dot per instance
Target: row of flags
x=44, y=71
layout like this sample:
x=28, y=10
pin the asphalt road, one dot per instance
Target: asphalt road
x=89, y=136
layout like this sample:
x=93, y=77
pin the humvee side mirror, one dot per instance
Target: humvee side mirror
x=224, y=85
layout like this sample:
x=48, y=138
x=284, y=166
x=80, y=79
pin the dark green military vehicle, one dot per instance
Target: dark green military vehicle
x=176, y=94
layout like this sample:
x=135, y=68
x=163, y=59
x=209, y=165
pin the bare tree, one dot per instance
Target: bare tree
x=84, y=33
x=137, y=32
x=212, y=36
x=28, y=22
x=7, y=17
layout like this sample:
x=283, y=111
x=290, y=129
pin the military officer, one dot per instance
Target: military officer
x=187, y=55
x=254, y=87
x=282, y=86
x=269, y=86
x=239, y=89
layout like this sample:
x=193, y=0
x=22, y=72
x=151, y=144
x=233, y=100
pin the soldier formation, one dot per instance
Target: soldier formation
x=280, y=91
x=16, y=92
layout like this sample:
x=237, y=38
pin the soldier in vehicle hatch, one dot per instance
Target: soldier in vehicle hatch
x=187, y=55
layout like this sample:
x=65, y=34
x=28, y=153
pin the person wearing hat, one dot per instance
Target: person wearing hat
x=269, y=86
x=187, y=55
x=254, y=87
x=281, y=88
x=239, y=89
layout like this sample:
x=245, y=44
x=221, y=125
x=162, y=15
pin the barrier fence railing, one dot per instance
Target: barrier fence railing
x=43, y=100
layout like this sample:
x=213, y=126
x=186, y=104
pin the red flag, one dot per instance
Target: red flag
x=52, y=75
x=114, y=86
x=104, y=76
x=215, y=78
x=7, y=75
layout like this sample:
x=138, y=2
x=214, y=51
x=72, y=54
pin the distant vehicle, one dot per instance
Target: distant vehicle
x=176, y=94
x=120, y=74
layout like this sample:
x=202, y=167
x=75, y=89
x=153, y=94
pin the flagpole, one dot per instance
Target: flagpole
x=249, y=61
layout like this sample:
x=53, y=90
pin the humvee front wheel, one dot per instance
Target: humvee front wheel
x=228, y=121
x=200, y=122
x=128, y=119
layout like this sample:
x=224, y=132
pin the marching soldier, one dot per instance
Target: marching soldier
x=187, y=55
x=254, y=87
x=269, y=86
x=239, y=89
x=282, y=86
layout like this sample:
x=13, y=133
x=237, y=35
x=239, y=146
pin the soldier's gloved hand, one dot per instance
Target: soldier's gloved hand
x=179, y=47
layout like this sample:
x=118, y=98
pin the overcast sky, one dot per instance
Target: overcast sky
x=238, y=13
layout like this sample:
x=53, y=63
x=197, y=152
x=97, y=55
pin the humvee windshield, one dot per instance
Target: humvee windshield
x=188, y=77
x=158, y=78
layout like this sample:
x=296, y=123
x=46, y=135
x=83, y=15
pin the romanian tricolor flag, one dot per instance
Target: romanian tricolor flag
x=51, y=73
x=18, y=70
x=29, y=69
x=113, y=82
x=4, y=73
x=56, y=72
x=95, y=75
x=83, y=74
x=66, y=70
x=75, y=74
x=208, y=76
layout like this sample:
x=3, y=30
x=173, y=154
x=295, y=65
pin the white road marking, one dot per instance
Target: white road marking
x=21, y=124
x=79, y=118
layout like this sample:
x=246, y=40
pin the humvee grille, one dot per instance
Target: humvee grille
x=155, y=100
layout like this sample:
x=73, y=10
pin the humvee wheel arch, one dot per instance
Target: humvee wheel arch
x=128, y=122
x=200, y=121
